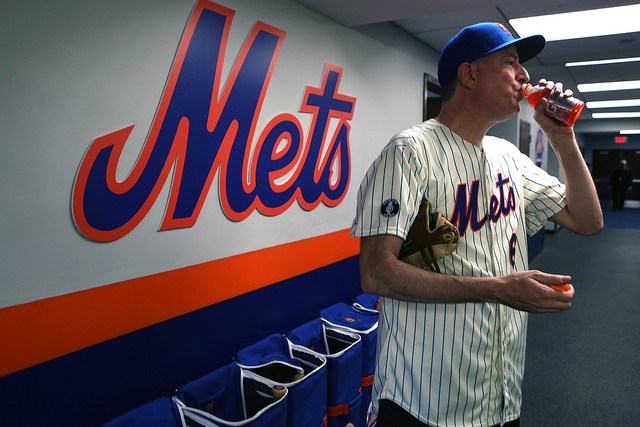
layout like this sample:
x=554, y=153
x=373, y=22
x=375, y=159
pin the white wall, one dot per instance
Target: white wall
x=73, y=71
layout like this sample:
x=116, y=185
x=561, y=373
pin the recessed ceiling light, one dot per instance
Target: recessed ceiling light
x=630, y=132
x=602, y=62
x=614, y=103
x=586, y=23
x=600, y=87
x=615, y=115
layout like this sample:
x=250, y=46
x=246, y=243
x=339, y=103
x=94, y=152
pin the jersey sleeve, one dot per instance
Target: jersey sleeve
x=544, y=195
x=390, y=194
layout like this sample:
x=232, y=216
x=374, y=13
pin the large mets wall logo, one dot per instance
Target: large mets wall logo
x=200, y=131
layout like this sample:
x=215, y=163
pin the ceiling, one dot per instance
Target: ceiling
x=434, y=22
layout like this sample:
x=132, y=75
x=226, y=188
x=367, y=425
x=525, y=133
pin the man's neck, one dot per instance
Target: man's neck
x=463, y=124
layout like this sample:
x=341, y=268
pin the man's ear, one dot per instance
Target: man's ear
x=467, y=75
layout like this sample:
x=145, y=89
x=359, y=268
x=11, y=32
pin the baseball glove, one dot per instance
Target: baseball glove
x=430, y=238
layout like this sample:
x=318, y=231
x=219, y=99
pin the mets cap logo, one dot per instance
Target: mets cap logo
x=504, y=28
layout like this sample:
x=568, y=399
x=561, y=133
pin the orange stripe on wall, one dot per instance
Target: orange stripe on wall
x=42, y=330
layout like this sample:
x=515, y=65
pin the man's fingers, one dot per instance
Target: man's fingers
x=552, y=279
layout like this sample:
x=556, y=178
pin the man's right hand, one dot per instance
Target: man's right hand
x=531, y=291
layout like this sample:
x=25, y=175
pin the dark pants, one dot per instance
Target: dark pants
x=618, y=195
x=392, y=415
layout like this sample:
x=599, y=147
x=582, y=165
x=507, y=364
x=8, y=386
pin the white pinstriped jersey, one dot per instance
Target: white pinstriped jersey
x=456, y=364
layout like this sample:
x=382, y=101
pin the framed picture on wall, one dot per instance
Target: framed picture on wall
x=432, y=100
x=525, y=138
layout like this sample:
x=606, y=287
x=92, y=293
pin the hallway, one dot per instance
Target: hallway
x=583, y=366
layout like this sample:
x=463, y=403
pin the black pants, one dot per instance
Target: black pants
x=618, y=195
x=392, y=415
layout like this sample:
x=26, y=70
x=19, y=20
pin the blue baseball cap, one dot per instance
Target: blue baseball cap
x=475, y=41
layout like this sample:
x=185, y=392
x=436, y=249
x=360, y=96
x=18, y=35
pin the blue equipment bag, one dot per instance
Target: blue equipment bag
x=162, y=412
x=230, y=397
x=367, y=302
x=343, y=351
x=302, y=371
x=346, y=317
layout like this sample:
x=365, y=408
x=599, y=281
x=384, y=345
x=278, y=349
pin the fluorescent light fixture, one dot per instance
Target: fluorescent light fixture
x=615, y=115
x=602, y=62
x=630, y=132
x=600, y=87
x=576, y=25
x=614, y=104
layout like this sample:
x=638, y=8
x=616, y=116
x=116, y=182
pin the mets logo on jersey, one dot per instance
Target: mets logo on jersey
x=466, y=214
x=201, y=131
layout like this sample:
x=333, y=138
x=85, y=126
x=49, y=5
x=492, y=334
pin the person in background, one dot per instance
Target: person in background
x=621, y=180
x=451, y=346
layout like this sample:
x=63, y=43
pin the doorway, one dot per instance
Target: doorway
x=604, y=163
